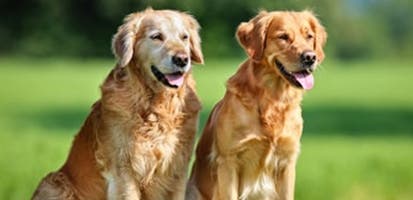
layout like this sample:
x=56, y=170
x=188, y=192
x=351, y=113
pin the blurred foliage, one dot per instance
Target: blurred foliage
x=357, y=28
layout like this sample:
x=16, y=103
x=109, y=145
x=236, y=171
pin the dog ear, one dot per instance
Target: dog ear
x=194, y=39
x=320, y=35
x=124, y=40
x=252, y=35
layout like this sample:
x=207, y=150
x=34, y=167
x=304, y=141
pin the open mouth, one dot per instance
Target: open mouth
x=173, y=80
x=301, y=79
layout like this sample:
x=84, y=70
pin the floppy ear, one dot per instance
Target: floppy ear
x=124, y=40
x=194, y=39
x=252, y=35
x=320, y=35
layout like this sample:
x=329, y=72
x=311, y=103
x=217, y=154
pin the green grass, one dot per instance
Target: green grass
x=357, y=143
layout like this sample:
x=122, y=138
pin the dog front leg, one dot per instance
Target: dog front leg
x=123, y=187
x=227, y=179
x=286, y=181
x=179, y=192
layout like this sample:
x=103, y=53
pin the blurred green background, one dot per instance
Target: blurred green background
x=358, y=136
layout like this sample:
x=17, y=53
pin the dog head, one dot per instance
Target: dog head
x=160, y=44
x=291, y=42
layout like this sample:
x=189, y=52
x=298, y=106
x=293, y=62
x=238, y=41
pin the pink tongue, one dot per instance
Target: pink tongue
x=306, y=80
x=176, y=80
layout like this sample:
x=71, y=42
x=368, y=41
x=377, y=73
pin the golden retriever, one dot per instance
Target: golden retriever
x=137, y=141
x=250, y=144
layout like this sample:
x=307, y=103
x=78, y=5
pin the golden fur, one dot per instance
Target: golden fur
x=250, y=144
x=137, y=141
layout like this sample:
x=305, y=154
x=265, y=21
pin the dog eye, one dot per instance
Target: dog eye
x=184, y=37
x=310, y=36
x=157, y=36
x=284, y=36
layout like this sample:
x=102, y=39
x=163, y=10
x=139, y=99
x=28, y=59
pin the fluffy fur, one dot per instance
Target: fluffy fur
x=250, y=144
x=137, y=141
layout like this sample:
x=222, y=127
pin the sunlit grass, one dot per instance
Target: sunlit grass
x=357, y=141
x=337, y=167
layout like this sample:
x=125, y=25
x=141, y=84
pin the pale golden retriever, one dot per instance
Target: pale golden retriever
x=137, y=141
x=250, y=144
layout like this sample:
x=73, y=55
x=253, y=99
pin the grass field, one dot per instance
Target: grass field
x=357, y=143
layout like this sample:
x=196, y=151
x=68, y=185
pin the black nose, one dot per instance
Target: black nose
x=308, y=58
x=180, y=60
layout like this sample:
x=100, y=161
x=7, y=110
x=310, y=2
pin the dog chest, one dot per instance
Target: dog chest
x=154, y=149
x=147, y=150
x=261, y=162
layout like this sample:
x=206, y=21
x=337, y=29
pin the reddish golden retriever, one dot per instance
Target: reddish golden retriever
x=251, y=141
x=137, y=141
